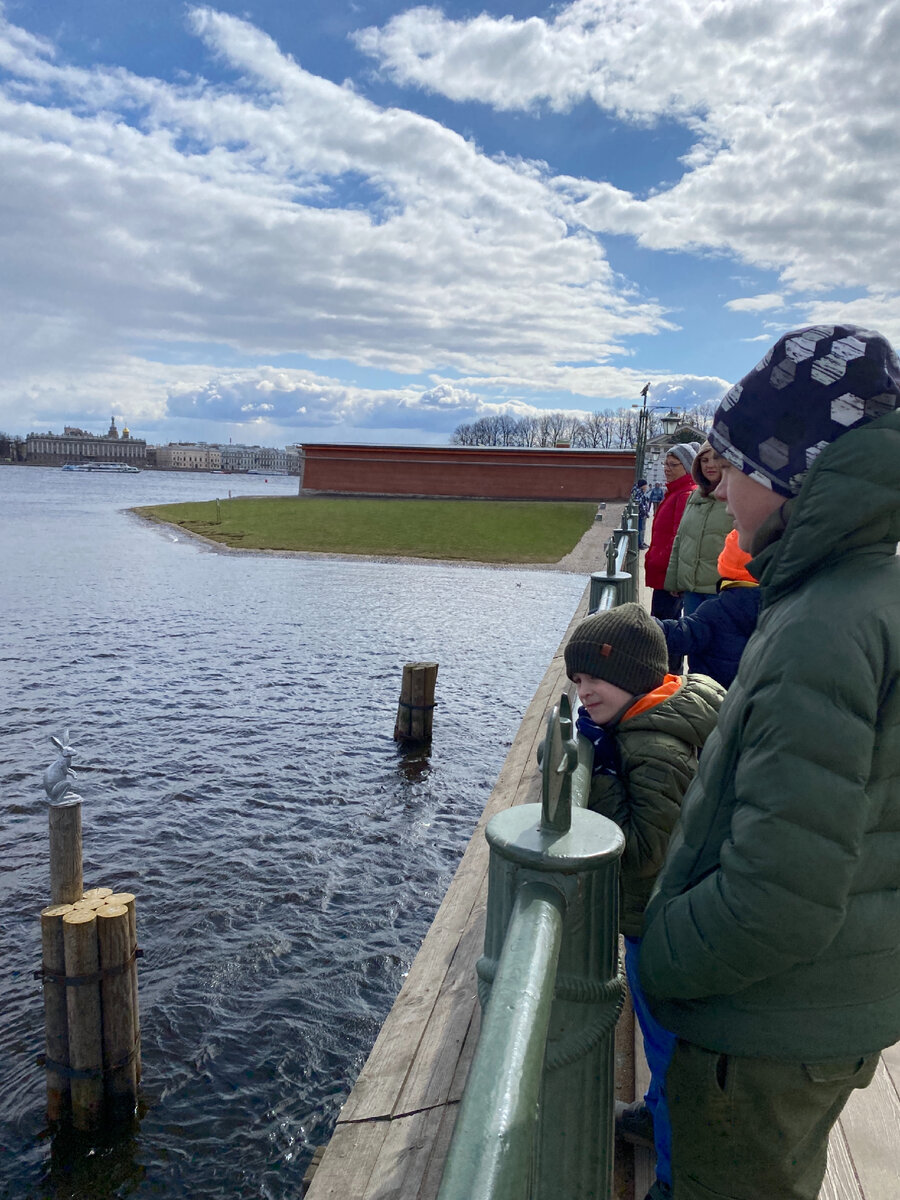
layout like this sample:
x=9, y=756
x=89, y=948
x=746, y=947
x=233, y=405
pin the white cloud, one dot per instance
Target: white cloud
x=142, y=220
x=305, y=402
x=761, y=303
x=134, y=212
x=796, y=160
x=880, y=312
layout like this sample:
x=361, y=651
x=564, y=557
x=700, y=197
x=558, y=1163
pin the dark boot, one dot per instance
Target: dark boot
x=634, y=1123
x=659, y=1191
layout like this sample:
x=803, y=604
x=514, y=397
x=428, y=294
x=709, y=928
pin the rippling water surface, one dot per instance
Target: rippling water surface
x=233, y=721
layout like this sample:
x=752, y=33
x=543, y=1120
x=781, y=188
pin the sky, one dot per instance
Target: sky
x=317, y=221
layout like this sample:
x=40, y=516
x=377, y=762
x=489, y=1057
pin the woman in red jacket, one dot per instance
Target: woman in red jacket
x=679, y=485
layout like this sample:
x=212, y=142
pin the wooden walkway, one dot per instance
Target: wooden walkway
x=393, y=1133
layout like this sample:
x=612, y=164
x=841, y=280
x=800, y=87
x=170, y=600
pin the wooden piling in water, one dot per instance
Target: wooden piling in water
x=84, y=1017
x=100, y=893
x=128, y=900
x=415, y=710
x=119, y=1038
x=56, y=1022
x=66, y=884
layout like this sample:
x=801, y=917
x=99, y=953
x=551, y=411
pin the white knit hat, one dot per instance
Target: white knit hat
x=685, y=452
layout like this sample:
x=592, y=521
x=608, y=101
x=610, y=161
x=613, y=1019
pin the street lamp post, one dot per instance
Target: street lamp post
x=641, y=440
x=670, y=422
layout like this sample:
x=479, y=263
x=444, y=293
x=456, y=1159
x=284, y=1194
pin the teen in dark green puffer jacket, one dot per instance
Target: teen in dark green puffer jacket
x=772, y=942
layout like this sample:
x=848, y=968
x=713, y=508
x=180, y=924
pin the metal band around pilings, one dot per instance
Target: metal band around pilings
x=88, y=1072
x=417, y=707
x=94, y=977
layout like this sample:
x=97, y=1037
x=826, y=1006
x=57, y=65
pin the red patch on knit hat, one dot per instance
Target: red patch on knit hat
x=606, y=649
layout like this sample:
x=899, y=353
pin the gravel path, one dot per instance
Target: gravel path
x=590, y=553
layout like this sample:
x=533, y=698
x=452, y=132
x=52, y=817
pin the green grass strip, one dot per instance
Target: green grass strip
x=475, y=530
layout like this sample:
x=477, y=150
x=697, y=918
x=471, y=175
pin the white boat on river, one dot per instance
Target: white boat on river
x=110, y=468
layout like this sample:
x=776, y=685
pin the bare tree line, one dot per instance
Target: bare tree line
x=12, y=448
x=611, y=429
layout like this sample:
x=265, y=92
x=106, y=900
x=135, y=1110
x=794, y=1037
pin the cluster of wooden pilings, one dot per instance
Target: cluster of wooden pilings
x=89, y=975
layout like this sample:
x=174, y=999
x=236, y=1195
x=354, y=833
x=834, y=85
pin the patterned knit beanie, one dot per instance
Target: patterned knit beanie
x=624, y=646
x=811, y=387
x=685, y=452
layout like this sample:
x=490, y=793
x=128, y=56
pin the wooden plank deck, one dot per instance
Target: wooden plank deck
x=394, y=1131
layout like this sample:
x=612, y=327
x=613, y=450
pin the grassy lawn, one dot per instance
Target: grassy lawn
x=478, y=530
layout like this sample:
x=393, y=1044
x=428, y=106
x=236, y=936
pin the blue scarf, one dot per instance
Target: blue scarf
x=606, y=752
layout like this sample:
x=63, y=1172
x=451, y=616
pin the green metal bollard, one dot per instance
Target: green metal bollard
x=576, y=852
x=573, y=1150
x=620, y=582
x=631, y=559
x=491, y=1155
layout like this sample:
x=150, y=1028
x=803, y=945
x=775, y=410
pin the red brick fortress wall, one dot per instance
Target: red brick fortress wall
x=459, y=471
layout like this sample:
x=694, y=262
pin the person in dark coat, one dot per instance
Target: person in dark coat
x=771, y=944
x=640, y=496
x=715, y=634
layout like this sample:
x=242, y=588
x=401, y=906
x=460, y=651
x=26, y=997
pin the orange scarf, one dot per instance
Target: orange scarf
x=733, y=561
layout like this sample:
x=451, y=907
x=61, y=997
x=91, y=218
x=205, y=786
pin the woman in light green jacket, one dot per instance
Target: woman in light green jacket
x=692, y=568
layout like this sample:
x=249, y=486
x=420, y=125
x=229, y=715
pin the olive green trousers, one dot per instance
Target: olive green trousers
x=754, y=1128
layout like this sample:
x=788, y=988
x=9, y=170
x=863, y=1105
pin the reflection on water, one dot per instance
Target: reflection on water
x=99, y=1167
x=233, y=720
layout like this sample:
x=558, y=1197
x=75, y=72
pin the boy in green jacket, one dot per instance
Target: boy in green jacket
x=647, y=728
x=772, y=941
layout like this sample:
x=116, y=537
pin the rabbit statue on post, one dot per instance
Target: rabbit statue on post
x=57, y=776
x=65, y=826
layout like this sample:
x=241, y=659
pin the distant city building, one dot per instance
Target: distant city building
x=240, y=458
x=78, y=446
x=188, y=456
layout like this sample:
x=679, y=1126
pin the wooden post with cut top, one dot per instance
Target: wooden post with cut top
x=415, y=710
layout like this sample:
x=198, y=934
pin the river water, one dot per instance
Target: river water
x=233, y=718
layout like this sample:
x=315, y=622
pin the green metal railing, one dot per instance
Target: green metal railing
x=536, y=1118
x=618, y=583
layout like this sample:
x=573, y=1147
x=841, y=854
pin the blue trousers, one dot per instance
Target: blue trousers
x=659, y=1045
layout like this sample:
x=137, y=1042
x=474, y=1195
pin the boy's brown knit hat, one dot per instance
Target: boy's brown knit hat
x=624, y=646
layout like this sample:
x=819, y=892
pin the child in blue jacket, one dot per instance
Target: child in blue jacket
x=715, y=634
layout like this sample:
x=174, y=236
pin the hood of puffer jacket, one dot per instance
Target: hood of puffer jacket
x=689, y=713
x=849, y=502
